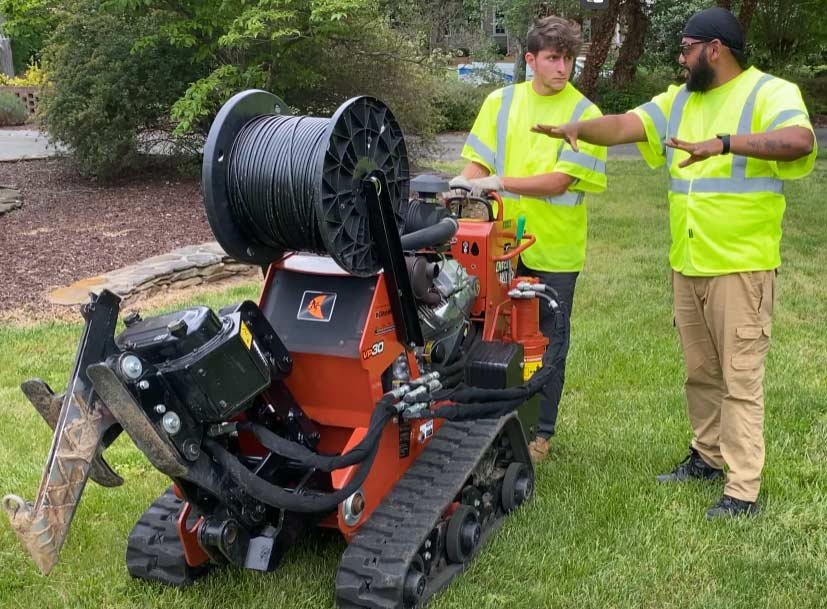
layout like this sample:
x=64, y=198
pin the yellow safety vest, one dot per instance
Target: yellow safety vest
x=501, y=141
x=725, y=212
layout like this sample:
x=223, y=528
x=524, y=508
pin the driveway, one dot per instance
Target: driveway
x=17, y=144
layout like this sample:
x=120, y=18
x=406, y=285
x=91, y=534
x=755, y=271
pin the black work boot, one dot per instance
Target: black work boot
x=693, y=467
x=730, y=507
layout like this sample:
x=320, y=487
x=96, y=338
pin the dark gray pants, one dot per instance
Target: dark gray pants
x=550, y=399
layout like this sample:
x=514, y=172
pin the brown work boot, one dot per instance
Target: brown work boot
x=538, y=449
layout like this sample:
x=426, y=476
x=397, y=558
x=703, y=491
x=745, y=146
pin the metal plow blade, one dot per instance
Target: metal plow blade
x=82, y=430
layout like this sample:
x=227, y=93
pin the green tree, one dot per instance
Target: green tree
x=667, y=19
x=783, y=32
x=313, y=53
x=28, y=24
x=636, y=25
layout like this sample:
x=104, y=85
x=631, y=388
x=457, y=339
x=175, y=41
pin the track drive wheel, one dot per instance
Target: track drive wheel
x=154, y=551
x=415, y=582
x=518, y=486
x=463, y=534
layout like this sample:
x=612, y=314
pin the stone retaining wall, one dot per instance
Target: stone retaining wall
x=182, y=268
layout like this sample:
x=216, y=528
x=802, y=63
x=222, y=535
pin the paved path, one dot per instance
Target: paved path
x=17, y=144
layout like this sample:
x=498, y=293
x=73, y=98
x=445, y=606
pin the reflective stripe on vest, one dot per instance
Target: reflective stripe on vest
x=784, y=116
x=570, y=198
x=659, y=120
x=502, y=127
x=737, y=182
x=567, y=199
x=584, y=160
x=477, y=145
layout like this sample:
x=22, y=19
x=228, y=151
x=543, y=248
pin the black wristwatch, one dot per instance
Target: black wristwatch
x=724, y=137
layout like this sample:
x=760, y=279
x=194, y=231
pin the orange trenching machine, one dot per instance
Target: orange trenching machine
x=384, y=385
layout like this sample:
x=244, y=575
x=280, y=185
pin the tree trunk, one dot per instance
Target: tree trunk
x=746, y=13
x=603, y=28
x=637, y=24
x=727, y=4
x=519, y=62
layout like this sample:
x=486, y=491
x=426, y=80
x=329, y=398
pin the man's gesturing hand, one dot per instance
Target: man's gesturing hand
x=698, y=151
x=566, y=132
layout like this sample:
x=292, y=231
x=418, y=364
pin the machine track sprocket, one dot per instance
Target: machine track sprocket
x=154, y=551
x=382, y=565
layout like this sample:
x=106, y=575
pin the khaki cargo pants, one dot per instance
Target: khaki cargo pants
x=725, y=324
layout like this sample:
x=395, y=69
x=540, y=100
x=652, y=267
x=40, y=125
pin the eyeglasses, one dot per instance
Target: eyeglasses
x=685, y=48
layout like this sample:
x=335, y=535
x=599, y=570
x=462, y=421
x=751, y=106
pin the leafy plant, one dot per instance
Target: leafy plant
x=35, y=76
x=460, y=102
x=12, y=110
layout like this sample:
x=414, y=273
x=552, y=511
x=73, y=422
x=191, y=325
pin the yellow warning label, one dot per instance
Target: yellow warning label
x=246, y=336
x=529, y=368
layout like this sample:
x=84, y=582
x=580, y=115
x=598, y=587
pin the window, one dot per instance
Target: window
x=498, y=23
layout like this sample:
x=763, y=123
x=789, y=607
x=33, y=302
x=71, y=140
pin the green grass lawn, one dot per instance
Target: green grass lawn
x=600, y=532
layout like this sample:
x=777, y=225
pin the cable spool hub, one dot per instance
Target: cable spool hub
x=275, y=183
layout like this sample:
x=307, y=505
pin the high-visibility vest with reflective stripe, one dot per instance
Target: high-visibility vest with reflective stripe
x=725, y=211
x=501, y=141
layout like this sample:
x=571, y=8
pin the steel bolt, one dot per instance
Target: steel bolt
x=171, y=423
x=131, y=367
x=191, y=450
x=143, y=385
x=160, y=408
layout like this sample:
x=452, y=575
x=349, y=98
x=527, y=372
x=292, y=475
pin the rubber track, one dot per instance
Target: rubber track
x=373, y=567
x=154, y=551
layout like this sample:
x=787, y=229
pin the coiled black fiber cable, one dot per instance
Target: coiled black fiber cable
x=273, y=172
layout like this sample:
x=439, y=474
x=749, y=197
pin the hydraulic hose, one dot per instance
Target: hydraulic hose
x=326, y=463
x=470, y=403
x=430, y=236
x=287, y=499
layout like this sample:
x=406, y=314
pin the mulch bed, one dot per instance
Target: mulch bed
x=70, y=228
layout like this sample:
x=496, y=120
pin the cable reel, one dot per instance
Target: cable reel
x=275, y=183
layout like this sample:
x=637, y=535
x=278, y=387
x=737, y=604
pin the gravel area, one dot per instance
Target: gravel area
x=70, y=228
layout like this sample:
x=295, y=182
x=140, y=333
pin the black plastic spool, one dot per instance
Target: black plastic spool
x=362, y=136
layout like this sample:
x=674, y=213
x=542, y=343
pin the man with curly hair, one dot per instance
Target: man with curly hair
x=543, y=180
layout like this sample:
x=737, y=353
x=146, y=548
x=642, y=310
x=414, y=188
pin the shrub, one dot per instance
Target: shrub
x=12, y=110
x=812, y=80
x=459, y=102
x=643, y=88
x=103, y=95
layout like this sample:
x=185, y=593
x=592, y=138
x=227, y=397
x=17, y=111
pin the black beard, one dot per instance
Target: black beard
x=700, y=78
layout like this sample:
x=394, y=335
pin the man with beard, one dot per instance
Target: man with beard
x=729, y=137
x=541, y=179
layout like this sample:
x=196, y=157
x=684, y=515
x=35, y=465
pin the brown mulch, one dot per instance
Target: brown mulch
x=71, y=228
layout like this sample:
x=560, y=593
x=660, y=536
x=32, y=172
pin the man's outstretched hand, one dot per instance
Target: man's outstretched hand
x=566, y=132
x=698, y=151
